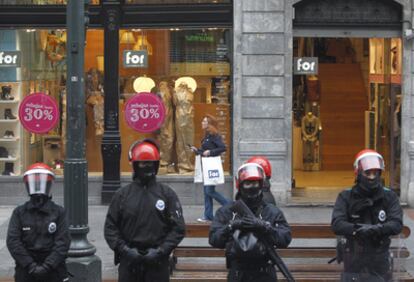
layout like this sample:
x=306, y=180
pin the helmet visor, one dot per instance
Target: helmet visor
x=371, y=162
x=250, y=171
x=38, y=183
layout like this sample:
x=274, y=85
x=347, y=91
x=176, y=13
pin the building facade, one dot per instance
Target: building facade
x=240, y=55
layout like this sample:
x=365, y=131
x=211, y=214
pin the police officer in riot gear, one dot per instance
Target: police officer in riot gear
x=144, y=222
x=38, y=234
x=242, y=236
x=367, y=215
x=267, y=167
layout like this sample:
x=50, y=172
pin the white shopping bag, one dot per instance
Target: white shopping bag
x=198, y=170
x=213, y=173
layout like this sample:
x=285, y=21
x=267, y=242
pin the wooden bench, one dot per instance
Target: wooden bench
x=307, y=257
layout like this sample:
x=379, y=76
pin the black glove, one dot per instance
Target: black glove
x=38, y=270
x=131, y=255
x=256, y=224
x=153, y=255
x=235, y=224
x=367, y=231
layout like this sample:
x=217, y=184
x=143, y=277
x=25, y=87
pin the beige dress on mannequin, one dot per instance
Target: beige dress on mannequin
x=184, y=125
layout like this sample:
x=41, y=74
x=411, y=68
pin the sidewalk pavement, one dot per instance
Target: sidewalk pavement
x=191, y=213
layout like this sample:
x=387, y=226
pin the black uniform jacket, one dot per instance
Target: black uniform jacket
x=352, y=207
x=279, y=236
x=145, y=217
x=38, y=235
x=214, y=143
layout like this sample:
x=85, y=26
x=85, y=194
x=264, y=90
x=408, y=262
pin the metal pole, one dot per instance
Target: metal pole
x=111, y=140
x=82, y=263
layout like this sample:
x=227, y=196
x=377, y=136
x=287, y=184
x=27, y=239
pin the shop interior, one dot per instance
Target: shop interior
x=353, y=102
x=189, y=69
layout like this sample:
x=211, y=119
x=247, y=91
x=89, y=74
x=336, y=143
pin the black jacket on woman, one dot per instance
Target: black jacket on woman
x=213, y=143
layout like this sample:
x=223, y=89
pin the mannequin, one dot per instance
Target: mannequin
x=94, y=94
x=167, y=130
x=311, y=126
x=184, y=125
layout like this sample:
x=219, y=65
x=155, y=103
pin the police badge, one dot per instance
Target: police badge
x=382, y=216
x=160, y=205
x=52, y=228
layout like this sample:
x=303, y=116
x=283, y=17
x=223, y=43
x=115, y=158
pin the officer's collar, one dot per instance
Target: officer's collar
x=149, y=184
x=44, y=208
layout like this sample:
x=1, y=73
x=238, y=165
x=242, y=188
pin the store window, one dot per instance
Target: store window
x=41, y=2
x=176, y=1
x=190, y=70
x=39, y=67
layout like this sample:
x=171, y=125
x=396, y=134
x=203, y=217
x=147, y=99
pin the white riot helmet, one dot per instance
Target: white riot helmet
x=38, y=179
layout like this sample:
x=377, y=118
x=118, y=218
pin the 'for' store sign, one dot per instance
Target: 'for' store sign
x=135, y=59
x=10, y=58
x=305, y=65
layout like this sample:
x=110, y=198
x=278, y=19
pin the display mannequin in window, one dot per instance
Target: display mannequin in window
x=311, y=126
x=94, y=98
x=167, y=131
x=184, y=125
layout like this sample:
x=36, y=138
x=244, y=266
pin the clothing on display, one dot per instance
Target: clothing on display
x=167, y=130
x=184, y=115
x=94, y=94
x=311, y=127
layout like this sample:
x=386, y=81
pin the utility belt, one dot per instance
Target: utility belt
x=264, y=266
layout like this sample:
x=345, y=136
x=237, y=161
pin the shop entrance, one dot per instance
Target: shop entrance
x=348, y=102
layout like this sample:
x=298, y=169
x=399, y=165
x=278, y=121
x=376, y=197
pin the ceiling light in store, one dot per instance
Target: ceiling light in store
x=127, y=37
x=143, y=84
x=189, y=81
x=142, y=43
x=100, y=63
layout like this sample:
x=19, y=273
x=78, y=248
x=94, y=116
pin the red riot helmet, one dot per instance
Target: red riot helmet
x=249, y=171
x=368, y=159
x=264, y=163
x=38, y=179
x=145, y=150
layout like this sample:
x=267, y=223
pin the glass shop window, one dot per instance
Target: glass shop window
x=189, y=69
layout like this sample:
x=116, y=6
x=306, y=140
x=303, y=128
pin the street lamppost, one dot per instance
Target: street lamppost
x=82, y=263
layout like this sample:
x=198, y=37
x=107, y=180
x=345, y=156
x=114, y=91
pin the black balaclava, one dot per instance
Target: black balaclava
x=145, y=174
x=38, y=200
x=368, y=186
x=252, y=196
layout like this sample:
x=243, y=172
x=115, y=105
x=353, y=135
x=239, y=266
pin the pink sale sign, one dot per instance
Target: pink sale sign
x=38, y=113
x=145, y=112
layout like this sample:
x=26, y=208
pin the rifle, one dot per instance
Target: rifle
x=240, y=207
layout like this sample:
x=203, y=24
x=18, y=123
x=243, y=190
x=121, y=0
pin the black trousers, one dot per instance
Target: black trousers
x=57, y=275
x=264, y=274
x=143, y=272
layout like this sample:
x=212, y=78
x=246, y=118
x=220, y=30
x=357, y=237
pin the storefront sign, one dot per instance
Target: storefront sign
x=305, y=65
x=135, y=59
x=38, y=113
x=145, y=112
x=10, y=59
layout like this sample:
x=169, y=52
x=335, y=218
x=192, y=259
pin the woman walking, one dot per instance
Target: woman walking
x=212, y=145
